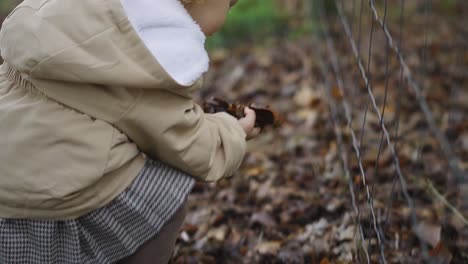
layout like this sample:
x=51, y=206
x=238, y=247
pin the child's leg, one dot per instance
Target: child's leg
x=159, y=249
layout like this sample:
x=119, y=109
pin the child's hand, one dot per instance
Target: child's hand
x=248, y=123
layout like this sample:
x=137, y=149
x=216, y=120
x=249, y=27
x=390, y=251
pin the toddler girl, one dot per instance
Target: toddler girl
x=100, y=141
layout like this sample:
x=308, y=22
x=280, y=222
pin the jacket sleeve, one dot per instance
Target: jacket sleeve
x=172, y=128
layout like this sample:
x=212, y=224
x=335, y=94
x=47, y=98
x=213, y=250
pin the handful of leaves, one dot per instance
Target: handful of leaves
x=265, y=117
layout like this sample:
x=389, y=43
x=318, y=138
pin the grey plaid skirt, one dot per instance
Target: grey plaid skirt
x=103, y=236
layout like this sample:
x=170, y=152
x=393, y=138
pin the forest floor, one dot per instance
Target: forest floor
x=290, y=202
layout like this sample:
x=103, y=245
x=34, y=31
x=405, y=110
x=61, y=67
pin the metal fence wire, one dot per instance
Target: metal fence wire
x=374, y=94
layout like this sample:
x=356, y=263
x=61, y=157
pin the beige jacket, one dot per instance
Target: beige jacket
x=81, y=98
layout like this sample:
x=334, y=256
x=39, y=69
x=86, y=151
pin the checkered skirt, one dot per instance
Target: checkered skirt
x=105, y=235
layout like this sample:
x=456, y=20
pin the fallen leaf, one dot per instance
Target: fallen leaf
x=306, y=97
x=346, y=234
x=464, y=140
x=268, y=247
x=255, y=171
x=429, y=233
x=217, y=233
x=334, y=204
x=337, y=94
x=263, y=219
x=441, y=254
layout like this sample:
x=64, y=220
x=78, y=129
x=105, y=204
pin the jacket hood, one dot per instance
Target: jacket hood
x=137, y=43
x=172, y=36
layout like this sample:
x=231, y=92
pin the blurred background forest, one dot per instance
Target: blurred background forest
x=370, y=165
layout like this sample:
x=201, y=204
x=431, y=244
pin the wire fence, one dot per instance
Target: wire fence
x=375, y=60
x=364, y=92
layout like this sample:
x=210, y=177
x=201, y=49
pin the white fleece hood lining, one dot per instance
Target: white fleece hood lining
x=173, y=37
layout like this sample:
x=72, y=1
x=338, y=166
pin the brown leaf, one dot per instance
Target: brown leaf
x=441, y=254
x=266, y=117
x=306, y=97
x=189, y=228
x=218, y=233
x=268, y=247
x=336, y=93
x=254, y=171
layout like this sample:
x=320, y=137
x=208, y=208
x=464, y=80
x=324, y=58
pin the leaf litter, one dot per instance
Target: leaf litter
x=290, y=201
